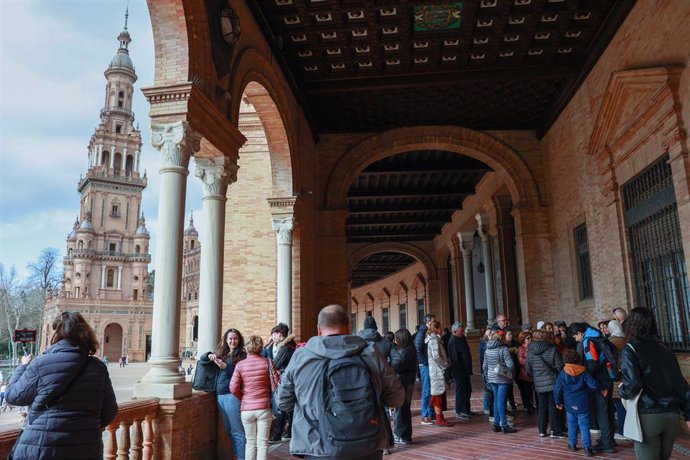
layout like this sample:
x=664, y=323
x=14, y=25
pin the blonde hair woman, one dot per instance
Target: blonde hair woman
x=438, y=361
x=251, y=384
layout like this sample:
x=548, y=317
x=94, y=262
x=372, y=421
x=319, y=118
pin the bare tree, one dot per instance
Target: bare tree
x=45, y=273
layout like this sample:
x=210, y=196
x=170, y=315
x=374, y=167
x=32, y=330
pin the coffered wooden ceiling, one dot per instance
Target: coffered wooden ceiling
x=370, y=65
x=379, y=265
x=410, y=196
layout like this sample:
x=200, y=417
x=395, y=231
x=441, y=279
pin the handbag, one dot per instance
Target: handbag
x=205, y=376
x=275, y=410
x=632, y=428
x=503, y=373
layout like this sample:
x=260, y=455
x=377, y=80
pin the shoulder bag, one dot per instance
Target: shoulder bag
x=277, y=412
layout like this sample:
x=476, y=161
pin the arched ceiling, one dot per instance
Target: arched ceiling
x=365, y=65
x=409, y=196
x=377, y=266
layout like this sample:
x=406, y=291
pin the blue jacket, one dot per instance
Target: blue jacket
x=224, y=375
x=594, y=358
x=420, y=335
x=573, y=386
x=71, y=427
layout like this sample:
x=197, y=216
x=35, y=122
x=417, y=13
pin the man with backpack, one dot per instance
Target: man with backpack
x=598, y=355
x=338, y=385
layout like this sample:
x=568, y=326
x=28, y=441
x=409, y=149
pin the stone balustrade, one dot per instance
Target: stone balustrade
x=130, y=436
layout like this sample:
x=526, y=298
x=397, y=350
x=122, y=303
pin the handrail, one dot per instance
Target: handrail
x=130, y=435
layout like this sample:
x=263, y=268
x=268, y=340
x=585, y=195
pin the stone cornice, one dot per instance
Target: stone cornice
x=282, y=206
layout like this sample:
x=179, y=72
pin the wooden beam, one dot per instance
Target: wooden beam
x=389, y=224
x=452, y=78
x=397, y=209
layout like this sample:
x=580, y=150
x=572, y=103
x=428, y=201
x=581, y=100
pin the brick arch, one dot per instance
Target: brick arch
x=256, y=77
x=394, y=246
x=505, y=161
x=181, y=39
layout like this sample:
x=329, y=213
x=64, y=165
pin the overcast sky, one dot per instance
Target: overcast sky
x=52, y=58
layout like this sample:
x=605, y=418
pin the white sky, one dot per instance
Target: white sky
x=52, y=58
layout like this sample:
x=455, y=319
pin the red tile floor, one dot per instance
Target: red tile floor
x=473, y=439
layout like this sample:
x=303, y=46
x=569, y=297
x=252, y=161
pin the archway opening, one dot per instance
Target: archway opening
x=112, y=342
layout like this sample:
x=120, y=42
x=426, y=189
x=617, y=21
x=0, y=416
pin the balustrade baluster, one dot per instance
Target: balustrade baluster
x=148, y=438
x=137, y=441
x=111, y=442
x=124, y=441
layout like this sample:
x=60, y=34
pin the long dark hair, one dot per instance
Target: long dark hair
x=640, y=323
x=224, y=350
x=402, y=338
x=71, y=326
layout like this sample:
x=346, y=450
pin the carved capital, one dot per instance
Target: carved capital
x=466, y=240
x=482, y=226
x=176, y=142
x=283, y=229
x=673, y=142
x=215, y=174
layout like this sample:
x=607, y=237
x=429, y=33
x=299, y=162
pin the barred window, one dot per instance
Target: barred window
x=584, y=270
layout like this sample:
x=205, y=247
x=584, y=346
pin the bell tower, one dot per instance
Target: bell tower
x=108, y=250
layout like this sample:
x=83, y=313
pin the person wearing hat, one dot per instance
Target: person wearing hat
x=460, y=359
x=370, y=334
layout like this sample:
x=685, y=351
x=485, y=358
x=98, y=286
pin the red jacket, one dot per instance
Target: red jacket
x=250, y=383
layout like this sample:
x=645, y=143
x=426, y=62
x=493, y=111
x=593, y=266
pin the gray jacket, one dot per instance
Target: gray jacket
x=301, y=387
x=496, y=353
x=71, y=427
x=543, y=363
x=373, y=336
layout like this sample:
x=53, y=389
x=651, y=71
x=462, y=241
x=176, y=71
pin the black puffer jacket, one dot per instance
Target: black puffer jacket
x=71, y=427
x=224, y=375
x=654, y=369
x=543, y=364
x=372, y=336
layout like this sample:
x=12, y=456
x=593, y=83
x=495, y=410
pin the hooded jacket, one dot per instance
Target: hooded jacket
x=373, y=336
x=438, y=361
x=572, y=388
x=404, y=362
x=459, y=355
x=420, y=345
x=496, y=353
x=302, y=388
x=649, y=366
x=543, y=364
x=71, y=427
x=594, y=357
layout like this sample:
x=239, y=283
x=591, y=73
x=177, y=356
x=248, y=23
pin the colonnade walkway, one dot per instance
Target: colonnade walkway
x=474, y=439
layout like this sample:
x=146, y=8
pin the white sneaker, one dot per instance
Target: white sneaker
x=594, y=431
x=510, y=418
x=491, y=419
x=620, y=437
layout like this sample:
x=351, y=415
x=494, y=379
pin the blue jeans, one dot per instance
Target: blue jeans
x=426, y=390
x=500, y=395
x=581, y=420
x=229, y=408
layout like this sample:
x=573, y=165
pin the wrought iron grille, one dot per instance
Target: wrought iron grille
x=660, y=275
x=584, y=270
x=402, y=308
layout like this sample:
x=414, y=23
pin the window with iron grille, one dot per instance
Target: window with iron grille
x=660, y=279
x=420, y=311
x=584, y=270
x=385, y=319
x=353, y=322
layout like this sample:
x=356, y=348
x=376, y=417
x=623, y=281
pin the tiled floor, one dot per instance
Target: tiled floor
x=474, y=439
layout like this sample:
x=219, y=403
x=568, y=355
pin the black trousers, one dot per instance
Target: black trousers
x=547, y=412
x=463, y=393
x=279, y=425
x=602, y=411
x=526, y=393
x=403, y=415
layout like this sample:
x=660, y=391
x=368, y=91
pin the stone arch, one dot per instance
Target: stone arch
x=256, y=76
x=505, y=161
x=113, y=340
x=394, y=246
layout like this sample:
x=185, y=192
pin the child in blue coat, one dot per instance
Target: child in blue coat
x=572, y=391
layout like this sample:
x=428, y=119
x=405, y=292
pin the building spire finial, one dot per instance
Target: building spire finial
x=126, y=14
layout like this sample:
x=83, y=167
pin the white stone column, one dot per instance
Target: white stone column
x=119, y=277
x=482, y=222
x=214, y=174
x=283, y=229
x=112, y=156
x=102, y=276
x=466, y=240
x=176, y=143
x=99, y=153
x=137, y=158
x=455, y=291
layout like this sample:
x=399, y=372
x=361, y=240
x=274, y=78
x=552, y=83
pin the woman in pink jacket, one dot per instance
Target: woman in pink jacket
x=251, y=385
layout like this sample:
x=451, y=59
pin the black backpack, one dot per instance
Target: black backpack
x=611, y=354
x=353, y=414
x=205, y=376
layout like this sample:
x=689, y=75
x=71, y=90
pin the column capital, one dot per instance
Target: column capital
x=216, y=174
x=283, y=229
x=282, y=207
x=176, y=142
x=482, y=226
x=466, y=240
